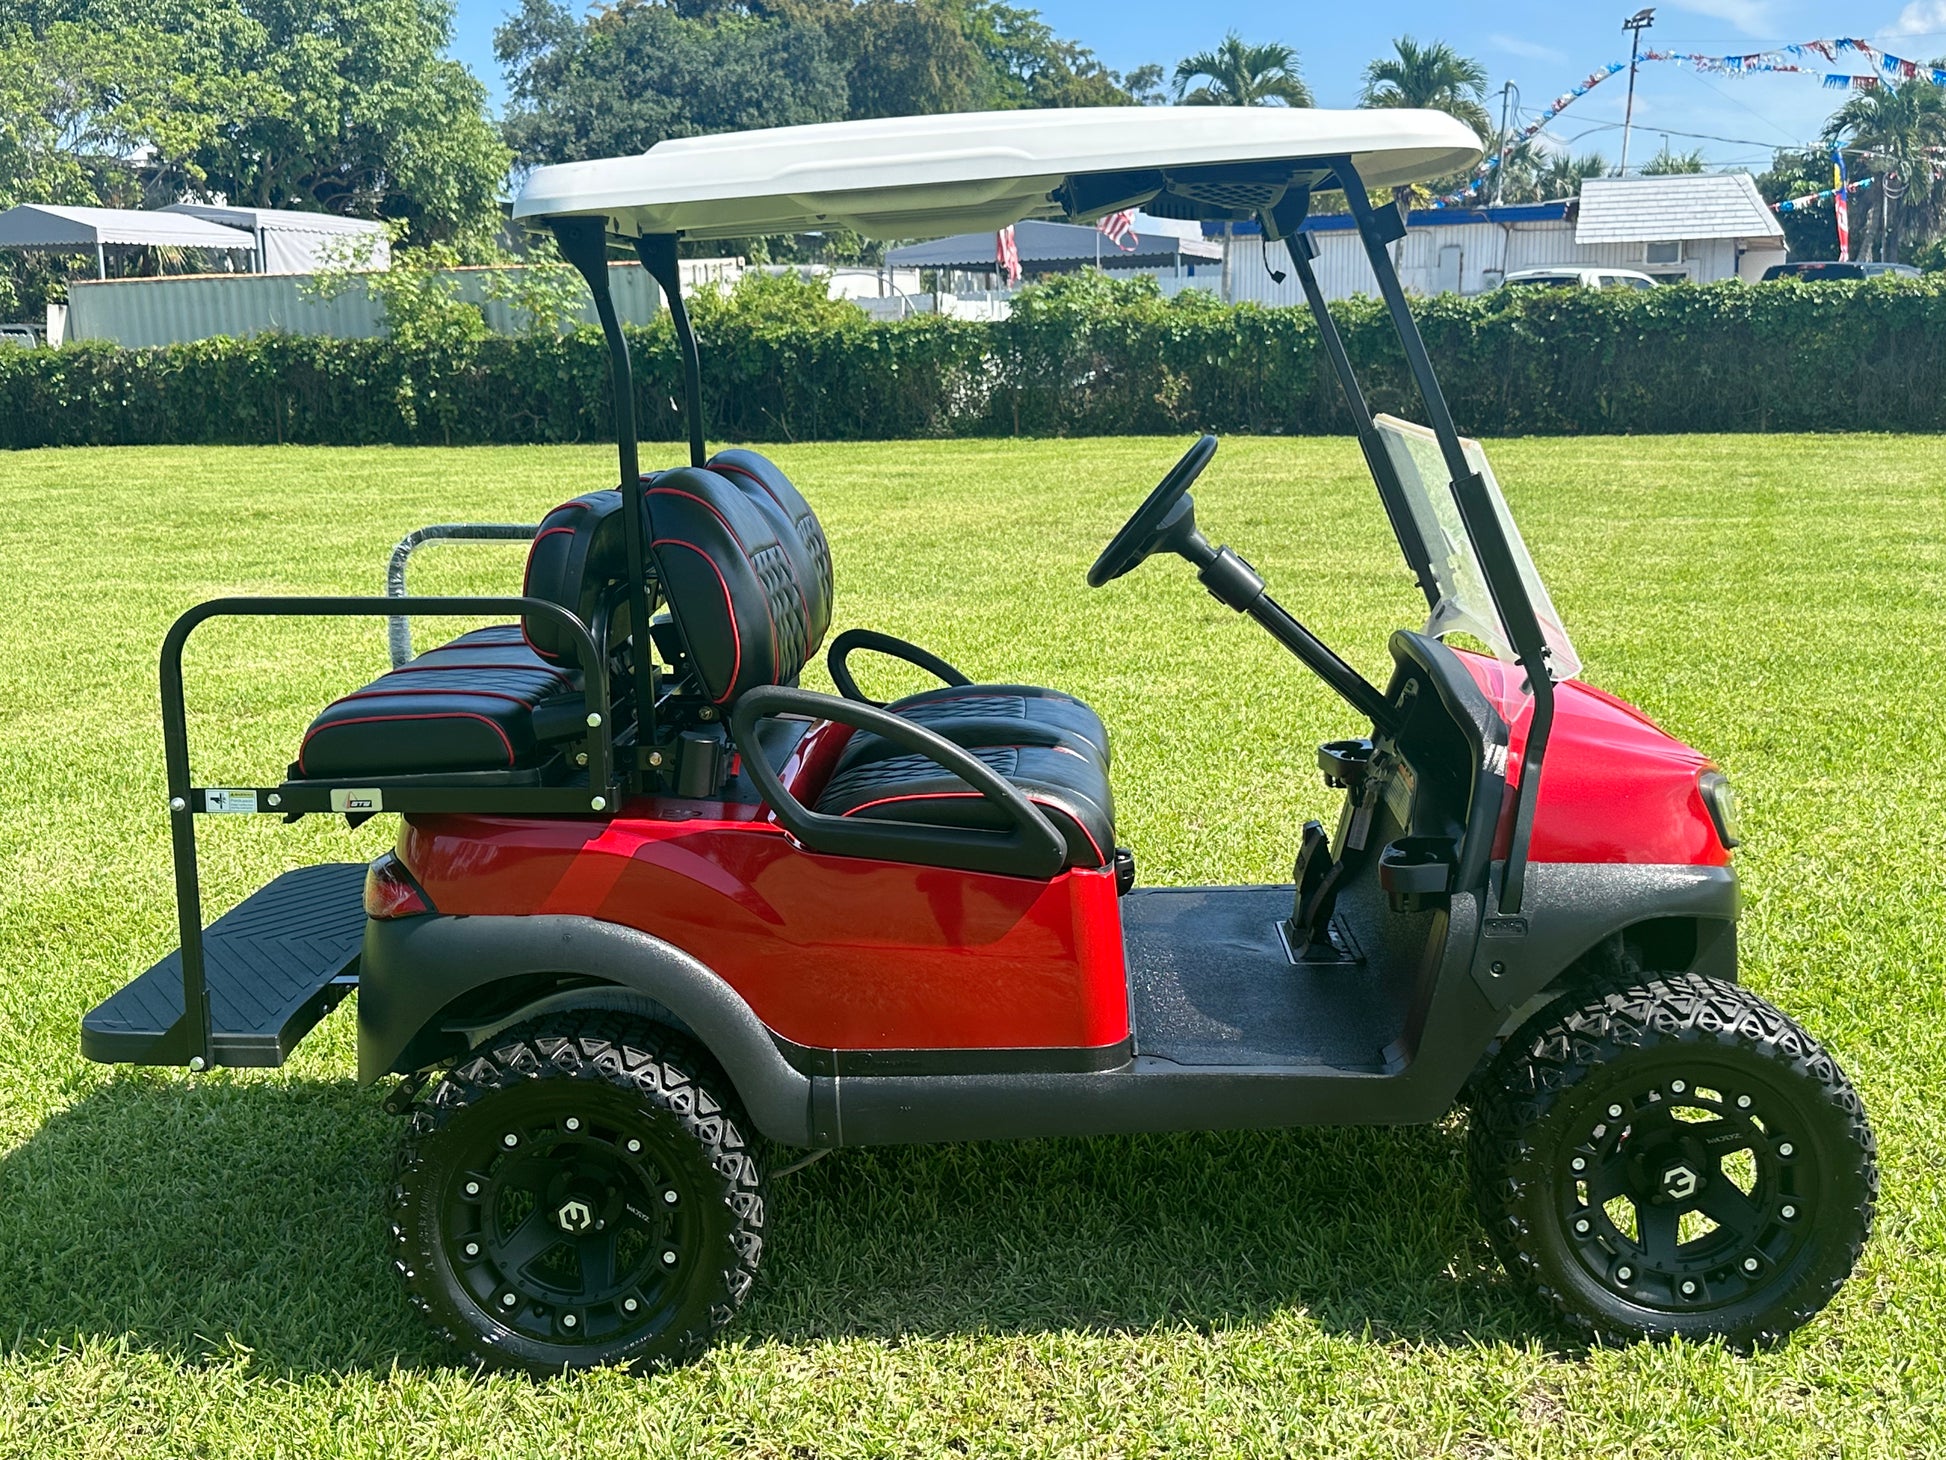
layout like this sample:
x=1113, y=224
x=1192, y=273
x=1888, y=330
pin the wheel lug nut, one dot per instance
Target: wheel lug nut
x=472, y=1188
x=1623, y=1274
x=572, y=1123
x=1750, y=1264
x=1614, y=1112
x=1582, y=1225
x=629, y=1305
x=669, y=1197
x=507, y=1300
x=567, y=1320
x=669, y=1257
x=634, y=1146
x=510, y=1140
x=472, y=1249
x=1688, y=1288
x=1578, y=1164
x=1678, y=1086
x=1787, y=1213
x=1743, y=1102
x=1786, y=1149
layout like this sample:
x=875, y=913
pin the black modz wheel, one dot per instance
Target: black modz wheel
x=579, y=1192
x=1673, y=1157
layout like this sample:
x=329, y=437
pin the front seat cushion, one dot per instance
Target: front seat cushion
x=1064, y=782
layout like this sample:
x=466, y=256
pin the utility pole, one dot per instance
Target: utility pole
x=1509, y=99
x=1634, y=25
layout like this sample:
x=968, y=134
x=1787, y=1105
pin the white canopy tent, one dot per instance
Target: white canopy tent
x=923, y=177
x=293, y=241
x=52, y=228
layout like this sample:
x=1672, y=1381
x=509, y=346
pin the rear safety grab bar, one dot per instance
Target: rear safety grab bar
x=872, y=641
x=1032, y=848
x=398, y=629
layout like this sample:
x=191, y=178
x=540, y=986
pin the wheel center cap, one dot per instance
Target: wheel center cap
x=575, y=1215
x=1679, y=1183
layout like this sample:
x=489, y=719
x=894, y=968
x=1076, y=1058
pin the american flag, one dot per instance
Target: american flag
x=1120, y=228
x=1006, y=253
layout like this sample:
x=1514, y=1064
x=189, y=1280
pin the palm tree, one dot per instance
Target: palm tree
x=1901, y=131
x=1238, y=73
x=1669, y=164
x=1434, y=76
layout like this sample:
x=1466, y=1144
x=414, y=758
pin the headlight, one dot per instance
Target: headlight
x=1722, y=802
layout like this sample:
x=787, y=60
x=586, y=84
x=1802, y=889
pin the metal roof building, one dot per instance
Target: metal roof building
x=56, y=228
x=290, y=241
x=1683, y=207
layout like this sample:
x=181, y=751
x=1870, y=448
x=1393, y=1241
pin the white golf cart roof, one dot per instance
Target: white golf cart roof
x=909, y=177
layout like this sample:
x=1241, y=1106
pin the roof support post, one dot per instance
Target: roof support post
x=658, y=254
x=1476, y=510
x=584, y=243
x=1302, y=249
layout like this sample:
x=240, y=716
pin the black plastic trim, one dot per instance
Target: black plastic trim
x=882, y=1062
x=415, y=969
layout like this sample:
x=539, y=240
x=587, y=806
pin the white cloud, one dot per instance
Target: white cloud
x=1752, y=17
x=1534, y=50
x=1920, y=17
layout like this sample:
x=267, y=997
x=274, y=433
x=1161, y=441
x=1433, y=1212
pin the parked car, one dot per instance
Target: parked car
x=1824, y=271
x=24, y=335
x=1573, y=276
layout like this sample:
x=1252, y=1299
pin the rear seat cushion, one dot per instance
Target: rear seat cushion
x=420, y=718
x=1065, y=783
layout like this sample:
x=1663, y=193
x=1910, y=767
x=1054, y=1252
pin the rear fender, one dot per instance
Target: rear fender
x=429, y=987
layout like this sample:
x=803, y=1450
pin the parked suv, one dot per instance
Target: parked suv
x=1823, y=272
x=1573, y=276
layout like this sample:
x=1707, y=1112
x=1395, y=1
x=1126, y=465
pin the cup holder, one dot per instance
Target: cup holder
x=1344, y=762
x=1417, y=872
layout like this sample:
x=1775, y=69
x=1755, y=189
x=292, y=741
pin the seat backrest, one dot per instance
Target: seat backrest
x=731, y=582
x=800, y=531
x=578, y=555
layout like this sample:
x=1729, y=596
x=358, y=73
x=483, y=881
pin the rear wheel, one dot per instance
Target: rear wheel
x=579, y=1192
x=1673, y=1157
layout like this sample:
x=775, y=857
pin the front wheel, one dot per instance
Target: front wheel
x=579, y=1192
x=1673, y=1157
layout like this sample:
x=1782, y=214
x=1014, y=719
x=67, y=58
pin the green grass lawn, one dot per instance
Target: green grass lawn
x=197, y=1266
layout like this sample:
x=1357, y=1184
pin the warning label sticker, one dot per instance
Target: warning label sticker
x=237, y=803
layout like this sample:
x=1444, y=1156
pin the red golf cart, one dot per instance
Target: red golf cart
x=658, y=917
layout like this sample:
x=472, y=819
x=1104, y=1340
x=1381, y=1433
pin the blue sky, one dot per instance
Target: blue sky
x=1543, y=46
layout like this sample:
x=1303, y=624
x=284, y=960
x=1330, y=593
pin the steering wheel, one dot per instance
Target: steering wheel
x=1155, y=519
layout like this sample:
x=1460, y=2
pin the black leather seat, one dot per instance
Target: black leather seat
x=733, y=591
x=496, y=698
x=972, y=714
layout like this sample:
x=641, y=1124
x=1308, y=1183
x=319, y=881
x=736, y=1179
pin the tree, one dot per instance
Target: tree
x=1674, y=164
x=1898, y=137
x=636, y=72
x=1810, y=232
x=1030, y=66
x=1238, y=73
x=1434, y=76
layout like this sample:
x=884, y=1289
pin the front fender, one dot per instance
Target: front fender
x=415, y=969
x=1570, y=907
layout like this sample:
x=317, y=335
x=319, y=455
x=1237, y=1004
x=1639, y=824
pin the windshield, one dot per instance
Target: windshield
x=1464, y=602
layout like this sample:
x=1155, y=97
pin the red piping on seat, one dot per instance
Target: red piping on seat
x=802, y=597
x=1040, y=801
x=390, y=719
x=471, y=694
x=729, y=604
x=415, y=667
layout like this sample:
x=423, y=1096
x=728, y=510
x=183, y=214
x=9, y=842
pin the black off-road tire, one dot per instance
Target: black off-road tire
x=1703, y=1074
x=597, y=1119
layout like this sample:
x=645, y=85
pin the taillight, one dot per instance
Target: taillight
x=390, y=891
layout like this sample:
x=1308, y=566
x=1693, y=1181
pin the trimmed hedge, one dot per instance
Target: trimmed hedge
x=1088, y=359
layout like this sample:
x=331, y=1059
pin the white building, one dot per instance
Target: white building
x=1690, y=228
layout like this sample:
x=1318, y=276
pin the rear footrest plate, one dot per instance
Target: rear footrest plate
x=274, y=965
